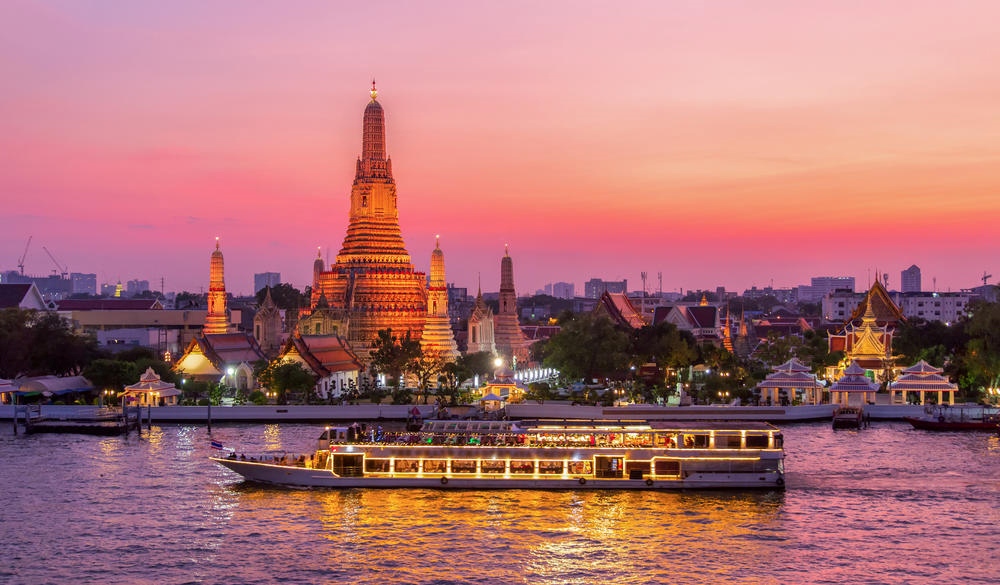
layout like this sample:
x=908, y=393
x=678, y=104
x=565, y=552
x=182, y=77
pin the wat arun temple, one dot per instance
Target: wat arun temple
x=373, y=285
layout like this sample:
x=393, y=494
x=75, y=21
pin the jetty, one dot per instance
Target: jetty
x=36, y=418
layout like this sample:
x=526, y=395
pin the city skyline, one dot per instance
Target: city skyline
x=717, y=144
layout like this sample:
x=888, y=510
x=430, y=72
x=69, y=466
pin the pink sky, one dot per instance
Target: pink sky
x=720, y=143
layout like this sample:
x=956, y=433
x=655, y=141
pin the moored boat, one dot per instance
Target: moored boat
x=534, y=455
x=848, y=417
x=966, y=417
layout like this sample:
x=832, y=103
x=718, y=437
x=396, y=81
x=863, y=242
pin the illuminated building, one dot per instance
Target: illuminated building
x=372, y=285
x=481, y=327
x=437, y=336
x=217, y=320
x=267, y=326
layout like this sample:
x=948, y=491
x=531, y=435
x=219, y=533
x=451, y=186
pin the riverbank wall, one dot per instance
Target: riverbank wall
x=321, y=414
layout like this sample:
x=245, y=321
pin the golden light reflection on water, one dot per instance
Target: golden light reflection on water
x=272, y=438
x=542, y=536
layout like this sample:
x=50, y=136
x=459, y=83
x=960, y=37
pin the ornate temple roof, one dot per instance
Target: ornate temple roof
x=854, y=380
x=885, y=311
x=620, y=310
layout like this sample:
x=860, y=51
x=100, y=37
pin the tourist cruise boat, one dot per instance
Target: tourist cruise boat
x=533, y=455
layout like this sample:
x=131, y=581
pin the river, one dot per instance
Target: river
x=887, y=504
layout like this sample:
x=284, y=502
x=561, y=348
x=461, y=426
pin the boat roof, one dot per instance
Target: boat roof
x=581, y=426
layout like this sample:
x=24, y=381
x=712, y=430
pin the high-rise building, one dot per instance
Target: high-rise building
x=822, y=286
x=909, y=280
x=265, y=279
x=217, y=319
x=83, y=283
x=136, y=287
x=372, y=285
x=563, y=290
x=595, y=287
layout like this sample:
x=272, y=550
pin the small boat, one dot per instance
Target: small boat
x=452, y=454
x=965, y=417
x=848, y=417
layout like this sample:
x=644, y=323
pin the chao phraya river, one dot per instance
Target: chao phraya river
x=884, y=505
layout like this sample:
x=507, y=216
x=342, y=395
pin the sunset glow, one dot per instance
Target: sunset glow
x=720, y=143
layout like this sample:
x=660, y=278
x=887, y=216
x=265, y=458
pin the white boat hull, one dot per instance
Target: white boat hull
x=291, y=476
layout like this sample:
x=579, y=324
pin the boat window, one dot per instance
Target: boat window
x=550, y=467
x=435, y=465
x=757, y=441
x=493, y=466
x=407, y=465
x=522, y=466
x=463, y=466
x=667, y=467
x=727, y=441
x=580, y=467
x=667, y=440
x=696, y=441
x=377, y=465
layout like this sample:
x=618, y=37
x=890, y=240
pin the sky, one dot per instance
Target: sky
x=723, y=143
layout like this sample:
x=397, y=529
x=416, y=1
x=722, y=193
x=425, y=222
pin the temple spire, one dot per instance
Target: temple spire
x=374, y=92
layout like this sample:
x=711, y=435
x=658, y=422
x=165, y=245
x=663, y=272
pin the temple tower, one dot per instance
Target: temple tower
x=267, y=326
x=372, y=285
x=511, y=343
x=217, y=319
x=437, y=336
x=481, y=336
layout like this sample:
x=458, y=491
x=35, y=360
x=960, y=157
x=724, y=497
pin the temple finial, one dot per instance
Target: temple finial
x=216, y=242
x=437, y=241
x=374, y=91
x=319, y=251
x=506, y=249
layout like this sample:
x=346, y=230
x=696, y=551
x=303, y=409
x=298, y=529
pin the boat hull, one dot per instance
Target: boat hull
x=935, y=425
x=302, y=477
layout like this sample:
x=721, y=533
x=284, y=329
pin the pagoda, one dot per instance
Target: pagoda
x=372, y=284
x=217, y=319
x=511, y=343
x=437, y=336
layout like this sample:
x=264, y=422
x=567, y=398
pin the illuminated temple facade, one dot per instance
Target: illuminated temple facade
x=437, y=336
x=372, y=285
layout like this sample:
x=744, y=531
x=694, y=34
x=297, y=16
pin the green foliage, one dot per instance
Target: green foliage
x=285, y=378
x=111, y=374
x=257, y=397
x=34, y=343
x=393, y=355
x=589, y=346
x=980, y=363
x=285, y=296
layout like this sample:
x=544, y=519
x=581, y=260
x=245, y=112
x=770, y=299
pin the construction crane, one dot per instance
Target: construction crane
x=986, y=277
x=62, y=269
x=20, y=262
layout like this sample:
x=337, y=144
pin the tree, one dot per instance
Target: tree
x=589, y=346
x=427, y=368
x=286, y=377
x=34, y=343
x=980, y=363
x=111, y=374
x=285, y=296
x=393, y=356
